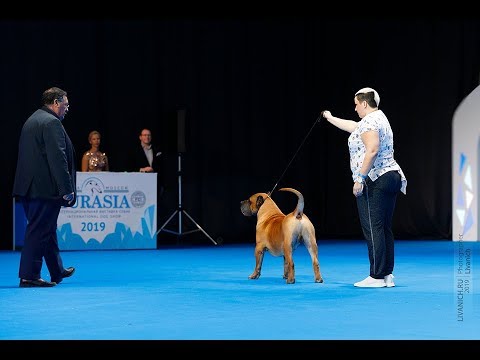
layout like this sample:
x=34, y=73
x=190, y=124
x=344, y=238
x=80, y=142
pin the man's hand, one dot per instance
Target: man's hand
x=69, y=197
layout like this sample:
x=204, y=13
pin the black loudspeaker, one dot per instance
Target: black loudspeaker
x=181, y=143
x=174, y=131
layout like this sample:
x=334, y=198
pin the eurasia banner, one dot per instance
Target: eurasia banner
x=113, y=211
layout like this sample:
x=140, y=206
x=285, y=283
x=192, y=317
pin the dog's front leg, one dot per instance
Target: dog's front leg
x=259, y=253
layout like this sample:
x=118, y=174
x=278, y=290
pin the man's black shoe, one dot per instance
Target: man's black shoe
x=66, y=273
x=36, y=283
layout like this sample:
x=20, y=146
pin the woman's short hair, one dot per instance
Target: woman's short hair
x=369, y=95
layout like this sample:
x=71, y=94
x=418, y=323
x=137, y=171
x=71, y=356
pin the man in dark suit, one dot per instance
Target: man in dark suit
x=44, y=182
x=147, y=158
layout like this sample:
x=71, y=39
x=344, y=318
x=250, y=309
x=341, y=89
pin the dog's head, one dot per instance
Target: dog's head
x=93, y=187
x=251, y=206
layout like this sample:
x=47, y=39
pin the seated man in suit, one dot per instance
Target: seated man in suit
x=147, y=158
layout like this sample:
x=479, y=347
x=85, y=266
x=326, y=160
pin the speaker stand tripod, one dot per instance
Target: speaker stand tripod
x=180, y=211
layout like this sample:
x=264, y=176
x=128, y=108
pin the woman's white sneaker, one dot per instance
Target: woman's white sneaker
x=389, y=280
x=370, y=282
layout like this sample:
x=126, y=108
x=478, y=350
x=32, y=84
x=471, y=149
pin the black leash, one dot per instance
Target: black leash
x=305, y=138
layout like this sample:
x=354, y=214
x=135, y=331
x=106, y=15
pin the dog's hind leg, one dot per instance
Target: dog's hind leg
x=311, y=245
x=259, y=253
x=288, y=265
x=285, y=268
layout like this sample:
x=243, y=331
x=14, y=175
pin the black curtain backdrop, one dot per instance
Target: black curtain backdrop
x=252, y=89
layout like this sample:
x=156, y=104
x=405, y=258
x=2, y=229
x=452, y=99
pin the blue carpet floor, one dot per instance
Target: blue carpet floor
x=203, y=293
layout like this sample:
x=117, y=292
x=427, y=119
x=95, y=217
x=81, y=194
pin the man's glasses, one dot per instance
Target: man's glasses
x=60, y=100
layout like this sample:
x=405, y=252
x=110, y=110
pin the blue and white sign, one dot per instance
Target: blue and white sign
x=113, y=211
x=466, y=170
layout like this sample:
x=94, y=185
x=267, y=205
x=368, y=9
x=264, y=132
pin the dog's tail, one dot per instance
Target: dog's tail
x=300, y=204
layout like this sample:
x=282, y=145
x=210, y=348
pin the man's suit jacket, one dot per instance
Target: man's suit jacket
x=46, y=159
x=139, y=160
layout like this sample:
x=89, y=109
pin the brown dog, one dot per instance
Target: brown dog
x=280, y=234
